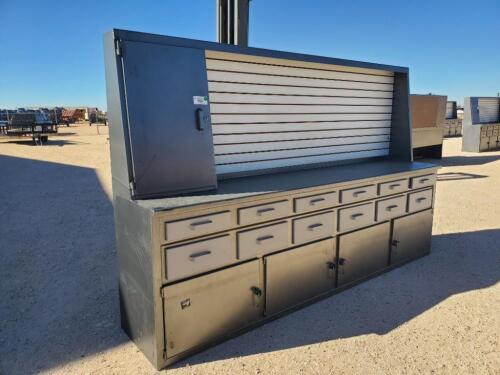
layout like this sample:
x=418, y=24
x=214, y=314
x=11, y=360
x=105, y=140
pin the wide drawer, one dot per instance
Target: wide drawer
x=197, y=226
x=356, y=217
x=420, y=200
x=263, y=212
x=390, y=208
x=392, y=187
x=315, y=227
x=187, y=260
x=264, y=240
x=423, y=181
x=316, y=202
x=358, y=194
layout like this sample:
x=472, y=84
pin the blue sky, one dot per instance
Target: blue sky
x=52, y=50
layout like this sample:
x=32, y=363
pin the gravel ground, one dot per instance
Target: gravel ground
x=59, y=300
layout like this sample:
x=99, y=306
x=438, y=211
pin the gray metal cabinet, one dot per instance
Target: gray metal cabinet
x=363, y=253
x=411, y=237
x=294, y=276
x=199, y=310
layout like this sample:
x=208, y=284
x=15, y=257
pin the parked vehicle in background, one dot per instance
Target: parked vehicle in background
x=34, y=124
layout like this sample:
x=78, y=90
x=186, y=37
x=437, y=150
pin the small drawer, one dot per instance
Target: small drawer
x=483, y=131
x=316, y=202
x=263, y=212
x=420, y=200
x=197, y=226
x=358, y=194
x=489, y=131
x=392, y=187
x=390, y=208
x=356, y=217
x=315, y=227
x=423, y=181
x=191, y=259
x=261, y=241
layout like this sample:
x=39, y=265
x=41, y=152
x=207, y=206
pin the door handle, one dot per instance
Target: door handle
x=195, y=256
x=265, y=238
x=422, y=180
x=256, y=291
x=342, y=261
x=264, y=210
x=395, y=243
x=359, y=192
x=330, y=265
x=421, y=199
x=314, y=226
x=355, y=216
x=198, y=223
x=312, y=202
x=394, y=186
x=391, y=207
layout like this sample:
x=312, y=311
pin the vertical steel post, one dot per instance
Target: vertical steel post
x=232, y=21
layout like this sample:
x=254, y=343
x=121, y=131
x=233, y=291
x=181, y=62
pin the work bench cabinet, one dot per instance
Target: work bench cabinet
x=481, y=124
x=248, y=183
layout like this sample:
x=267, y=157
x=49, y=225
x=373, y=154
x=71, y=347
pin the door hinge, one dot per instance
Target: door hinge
x=118, y=47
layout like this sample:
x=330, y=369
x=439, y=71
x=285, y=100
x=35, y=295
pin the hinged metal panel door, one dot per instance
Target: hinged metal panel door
x=296, y=275
x=411, y=236
x=205, y=308
x=363, y=253
x=169, y=125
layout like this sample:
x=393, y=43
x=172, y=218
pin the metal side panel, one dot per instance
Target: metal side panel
x=363, y=253
x=297, y=275
x=411, y=237
x=206, y=308
x=169, y=124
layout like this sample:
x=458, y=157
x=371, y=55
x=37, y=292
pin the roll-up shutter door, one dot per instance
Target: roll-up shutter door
x=449, y=110
x=273, y=113
x=489, y=109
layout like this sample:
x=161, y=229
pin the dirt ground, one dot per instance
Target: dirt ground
x=59, y=299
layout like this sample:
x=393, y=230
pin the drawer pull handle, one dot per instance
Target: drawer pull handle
x=421, y=199
x=264, y=210
x=198, y=223
x=195, y=256
x=393, y=186
x=265, y=238
x=391, y=207
x=355, y=216
x=422, y=180
x=314, y=226
x=312, y=202
x=359, y=192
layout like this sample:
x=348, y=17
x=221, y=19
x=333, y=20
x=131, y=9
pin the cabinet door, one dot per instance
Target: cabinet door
x=411, y=237
x=363, y=253
x=203, y=309
x=296, y=275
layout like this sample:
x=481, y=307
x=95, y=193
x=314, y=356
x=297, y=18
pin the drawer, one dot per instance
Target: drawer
x=392, y=187
x=489, y=131
x=390, y=208
x=420, y=200
x=263, y=212
x=358, y=194
x=316, y=202
x=315, y=227
x=197, y=226
x=423, y=181
x=356, y=217
x=191, y=259
x=264, y=240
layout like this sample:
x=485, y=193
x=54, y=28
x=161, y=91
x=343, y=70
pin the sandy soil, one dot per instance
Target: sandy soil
x=59, y=300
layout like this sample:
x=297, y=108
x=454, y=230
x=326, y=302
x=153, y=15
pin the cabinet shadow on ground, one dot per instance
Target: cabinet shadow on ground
x=458, y=263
